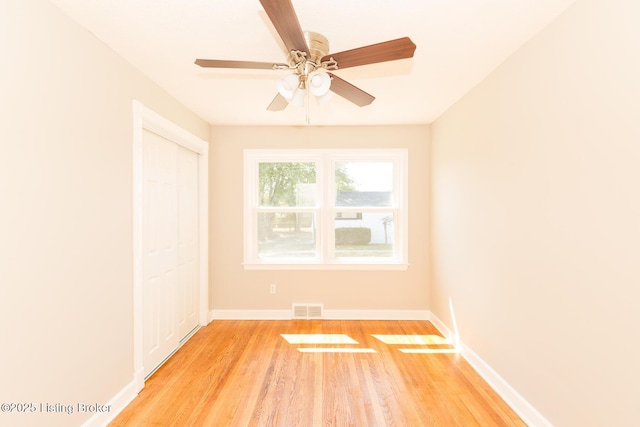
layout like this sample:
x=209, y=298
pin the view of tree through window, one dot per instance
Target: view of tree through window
x=279, y=183
x=324, y=209
x=287, y=233
x=290, y=184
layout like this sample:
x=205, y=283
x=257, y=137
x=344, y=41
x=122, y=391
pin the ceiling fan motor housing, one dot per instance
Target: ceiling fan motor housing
x=318, y=46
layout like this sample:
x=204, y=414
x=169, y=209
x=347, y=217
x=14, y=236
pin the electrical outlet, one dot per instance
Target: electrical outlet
x=272, y=288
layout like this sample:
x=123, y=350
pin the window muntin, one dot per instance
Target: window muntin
x=327, y=208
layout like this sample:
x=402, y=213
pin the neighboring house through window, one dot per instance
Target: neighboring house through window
x=332, y=208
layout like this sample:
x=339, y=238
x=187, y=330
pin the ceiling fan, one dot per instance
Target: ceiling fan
x=310, y=62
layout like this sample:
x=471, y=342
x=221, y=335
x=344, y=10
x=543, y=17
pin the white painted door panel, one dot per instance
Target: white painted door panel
x=188, y=289
x=170, y=247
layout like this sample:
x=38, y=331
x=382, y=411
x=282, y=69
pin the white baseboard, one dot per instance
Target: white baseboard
x=249, y=314
x=440, y=326
x=518, y=403
x=376, y=314
x=327, y=314
x=116, y=405
x=138, y=379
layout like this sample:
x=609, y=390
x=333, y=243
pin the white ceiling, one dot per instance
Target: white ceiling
x=458, y=43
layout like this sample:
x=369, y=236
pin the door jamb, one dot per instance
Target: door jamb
x=146, y=119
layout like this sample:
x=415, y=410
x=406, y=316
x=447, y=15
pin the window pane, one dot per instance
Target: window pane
x=287, y=184
x=364, y=234
x=364, y=183
x=286, y=235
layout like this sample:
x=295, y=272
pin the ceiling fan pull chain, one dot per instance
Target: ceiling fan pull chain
x=306, y=101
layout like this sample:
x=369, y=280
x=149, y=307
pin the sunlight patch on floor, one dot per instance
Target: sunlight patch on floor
x=411, y=339
x=318, y=339
x=335, y=350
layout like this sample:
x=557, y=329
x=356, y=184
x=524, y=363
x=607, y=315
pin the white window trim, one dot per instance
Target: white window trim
x=325, y=241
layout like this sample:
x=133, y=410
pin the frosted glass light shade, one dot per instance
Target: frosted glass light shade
x=324, y=99
x=287, y=85
x=298, y=98
x=319, y=83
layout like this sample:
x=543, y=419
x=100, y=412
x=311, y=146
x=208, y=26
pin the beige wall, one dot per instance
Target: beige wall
x=66, y=211
x=233, y=288
x=536, y=217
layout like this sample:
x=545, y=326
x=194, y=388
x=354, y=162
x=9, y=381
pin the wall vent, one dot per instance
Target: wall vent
x=307, y=311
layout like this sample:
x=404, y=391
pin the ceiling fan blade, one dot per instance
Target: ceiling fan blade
x=350, y=92
x=279, y=103
x=284, y=19
x=218, y=63
x=380, y=52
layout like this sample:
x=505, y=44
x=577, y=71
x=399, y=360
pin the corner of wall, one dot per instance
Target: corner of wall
x=519, y=404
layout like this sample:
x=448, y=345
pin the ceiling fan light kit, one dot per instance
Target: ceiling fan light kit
x=319, y=83
x=287, y=85
x=311, y=63
x=300, y=99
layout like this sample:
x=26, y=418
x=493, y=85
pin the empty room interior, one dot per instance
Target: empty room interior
x=471, y=189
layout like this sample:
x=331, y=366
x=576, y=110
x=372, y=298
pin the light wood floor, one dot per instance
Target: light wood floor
x=244, y=373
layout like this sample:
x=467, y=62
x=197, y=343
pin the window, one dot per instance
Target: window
x=325, y=208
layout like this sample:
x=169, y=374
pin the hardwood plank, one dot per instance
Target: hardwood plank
x=244, y=373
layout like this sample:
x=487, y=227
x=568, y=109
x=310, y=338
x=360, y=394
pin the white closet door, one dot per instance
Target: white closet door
x=170, y=247
x=160, y=249
x=170, y=232
x=188, y=284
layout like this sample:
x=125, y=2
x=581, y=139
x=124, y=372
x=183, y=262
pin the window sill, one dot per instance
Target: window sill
x=362, y=266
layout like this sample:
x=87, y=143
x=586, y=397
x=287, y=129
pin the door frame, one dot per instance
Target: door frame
x=146, y=119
